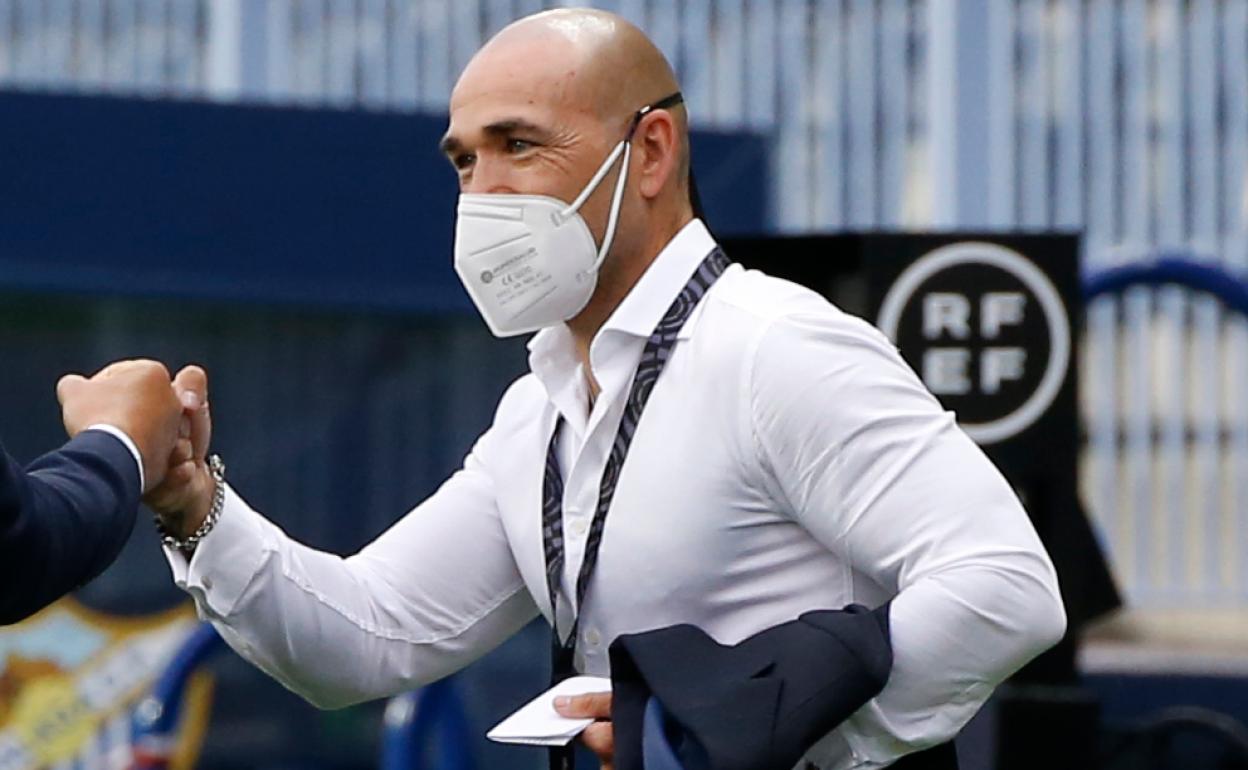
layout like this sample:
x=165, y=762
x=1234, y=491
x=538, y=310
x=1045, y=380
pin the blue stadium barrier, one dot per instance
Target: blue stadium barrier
x=428, y=720
x=1231, y=290
x=416, y=722
x=157, y=717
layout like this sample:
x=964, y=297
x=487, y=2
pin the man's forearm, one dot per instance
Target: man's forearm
x=956, y=636
x=329, y=628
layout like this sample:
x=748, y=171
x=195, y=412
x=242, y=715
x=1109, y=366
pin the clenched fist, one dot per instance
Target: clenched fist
x=136, y=397
x=184, y=496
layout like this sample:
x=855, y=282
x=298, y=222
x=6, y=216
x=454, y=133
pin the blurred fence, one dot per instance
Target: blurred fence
x=838, y=85
x=1127, y=119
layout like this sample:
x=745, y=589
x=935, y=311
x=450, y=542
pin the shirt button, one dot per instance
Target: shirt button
x=579, y=527
x=208, y=583
x=593, y=637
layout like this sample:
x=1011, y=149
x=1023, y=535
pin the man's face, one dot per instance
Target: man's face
x=519, y=124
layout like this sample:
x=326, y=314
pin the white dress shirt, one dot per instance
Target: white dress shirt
x=788, y=460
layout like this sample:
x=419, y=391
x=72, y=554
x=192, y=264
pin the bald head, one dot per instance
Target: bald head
x=593, y=59
x=578, y=74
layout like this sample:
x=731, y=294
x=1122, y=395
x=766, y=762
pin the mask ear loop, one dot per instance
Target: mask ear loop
x=593, y=182
x=614, y=217
x=625, y=147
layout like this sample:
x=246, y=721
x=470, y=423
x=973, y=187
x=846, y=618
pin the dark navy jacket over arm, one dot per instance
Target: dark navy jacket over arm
x=63, y=519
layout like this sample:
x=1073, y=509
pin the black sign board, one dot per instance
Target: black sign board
x=987, y=323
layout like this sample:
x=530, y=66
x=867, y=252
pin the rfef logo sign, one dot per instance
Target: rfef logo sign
x=987, y=331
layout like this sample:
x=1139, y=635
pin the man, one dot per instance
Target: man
x=786, y=459
x=65, y=518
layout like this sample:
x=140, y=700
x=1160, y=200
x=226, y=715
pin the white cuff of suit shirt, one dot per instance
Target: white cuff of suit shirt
x=125, y=439
x=241, y=540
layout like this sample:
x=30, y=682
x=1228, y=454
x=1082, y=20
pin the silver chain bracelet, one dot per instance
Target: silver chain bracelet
x=217, y=468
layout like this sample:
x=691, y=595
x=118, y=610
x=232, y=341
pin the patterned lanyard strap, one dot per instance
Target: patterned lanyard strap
x=653, y=358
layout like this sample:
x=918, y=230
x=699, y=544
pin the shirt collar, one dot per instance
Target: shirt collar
x=649, y=299
x=551, y=354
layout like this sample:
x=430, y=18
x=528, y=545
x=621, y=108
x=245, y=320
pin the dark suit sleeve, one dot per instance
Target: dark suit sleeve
x=63, y=520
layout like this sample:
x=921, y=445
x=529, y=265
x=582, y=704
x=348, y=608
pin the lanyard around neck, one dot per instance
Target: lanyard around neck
x=653, y=358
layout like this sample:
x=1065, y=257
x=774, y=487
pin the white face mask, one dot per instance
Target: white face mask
x=530, y=261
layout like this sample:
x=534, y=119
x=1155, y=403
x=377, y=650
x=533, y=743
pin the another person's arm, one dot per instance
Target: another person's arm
x=864, y=457
x=64, y=519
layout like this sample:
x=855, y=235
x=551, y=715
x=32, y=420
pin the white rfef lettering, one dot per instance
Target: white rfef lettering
x=945, y=370
x=946, y=312
x=996, y=365
x=998, y=308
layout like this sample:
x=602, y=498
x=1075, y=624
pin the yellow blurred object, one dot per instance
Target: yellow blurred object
x=70, y=678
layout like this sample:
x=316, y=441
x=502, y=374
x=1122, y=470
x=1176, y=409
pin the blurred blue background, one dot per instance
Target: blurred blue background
x=254, y=185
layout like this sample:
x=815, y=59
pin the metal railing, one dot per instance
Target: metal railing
x=1177, y=462
x=851, y=155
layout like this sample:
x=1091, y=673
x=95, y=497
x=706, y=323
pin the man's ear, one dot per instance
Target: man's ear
x=657, y=148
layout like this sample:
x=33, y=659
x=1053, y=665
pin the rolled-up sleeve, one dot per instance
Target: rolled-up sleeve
x=865, y=458
x=437, y=590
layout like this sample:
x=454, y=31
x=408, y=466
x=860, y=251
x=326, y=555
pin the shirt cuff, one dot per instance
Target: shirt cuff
x=834, y=752
x=122, y=436
x=226, y=560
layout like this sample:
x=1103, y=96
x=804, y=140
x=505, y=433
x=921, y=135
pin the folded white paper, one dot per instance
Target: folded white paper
x=538, y=723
